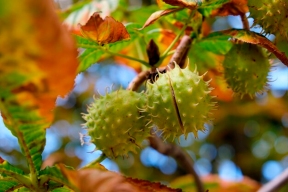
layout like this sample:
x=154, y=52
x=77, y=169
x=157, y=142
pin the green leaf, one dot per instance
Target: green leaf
x=55, y=178
x=85, y=43
x=7, y=185
x=207, y=7
x=62, y=189
x=215, y=44
x=88, y=58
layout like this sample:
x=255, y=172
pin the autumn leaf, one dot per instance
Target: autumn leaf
x=104, y=31
x=95, y=179
x=255, y=38
x=234, y=7
x=182, y=3
x=37, y=64
x=214, y=183
x=158, y=14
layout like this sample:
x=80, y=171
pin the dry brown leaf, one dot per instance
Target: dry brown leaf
x=147, y=186
x=234, y=7
x=104, y=31
x=97, y=179
x=94, y=180
x=182, y=3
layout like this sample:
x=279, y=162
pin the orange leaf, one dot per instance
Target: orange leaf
x=182, y=3
x=104, y=31
x=234, y=7
x=95, y=180
x=42, y=53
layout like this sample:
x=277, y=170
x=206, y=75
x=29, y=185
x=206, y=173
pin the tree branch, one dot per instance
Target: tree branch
x=138, y=80
x=181, y=53
x=245, y=21
x=183, y=159
x=276, y=183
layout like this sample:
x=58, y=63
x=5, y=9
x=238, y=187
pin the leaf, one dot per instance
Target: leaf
x=85, y=43
x=255, y=38
x=158, y=14
x=32, y=67
x=182, y=3
x=6, y=185
x=80, y=12
x=234, y=7
x=88, y=58
x=54, y=174
x=90, y=180
x=215, y=44
x=207, y=7
x=104, y=31
x=11, y=176
x=215, y=183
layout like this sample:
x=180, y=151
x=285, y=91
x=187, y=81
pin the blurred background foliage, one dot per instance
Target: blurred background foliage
x=248, y=136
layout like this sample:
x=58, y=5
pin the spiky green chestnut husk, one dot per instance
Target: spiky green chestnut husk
x=271, y=15
x=179, y=103
x=246, y=69
x=115, y=124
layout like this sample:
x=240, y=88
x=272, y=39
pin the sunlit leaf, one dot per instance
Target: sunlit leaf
x=216, y=184
x=36, y=53
x=8, y=185
x=89, y=57
x=89, y=179
x=207, y=7
x=158, y=14
x=215, y=44
x=255, y=38
x=182, y=3
x=54, y=174
x=104, y=31
x=233, y=7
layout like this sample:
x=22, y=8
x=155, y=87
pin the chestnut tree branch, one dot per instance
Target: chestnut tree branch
x=180, y=53
x=245, y=21
x=276, y=183
x=182, y=158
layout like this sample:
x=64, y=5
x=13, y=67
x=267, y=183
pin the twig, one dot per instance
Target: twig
x=276, y=183
x=245, y=21
x=138, y=80
x=181, y=53
x=175, y=151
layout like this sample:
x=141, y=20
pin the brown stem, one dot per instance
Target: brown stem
x=276, y=183
x=245, y=21
x=138, y=80
x=181, y=53
x=183, y=159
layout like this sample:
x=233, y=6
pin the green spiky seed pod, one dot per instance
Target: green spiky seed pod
x=271, y=15
x=246, y=69
x=115, y=124
x=179, y=103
